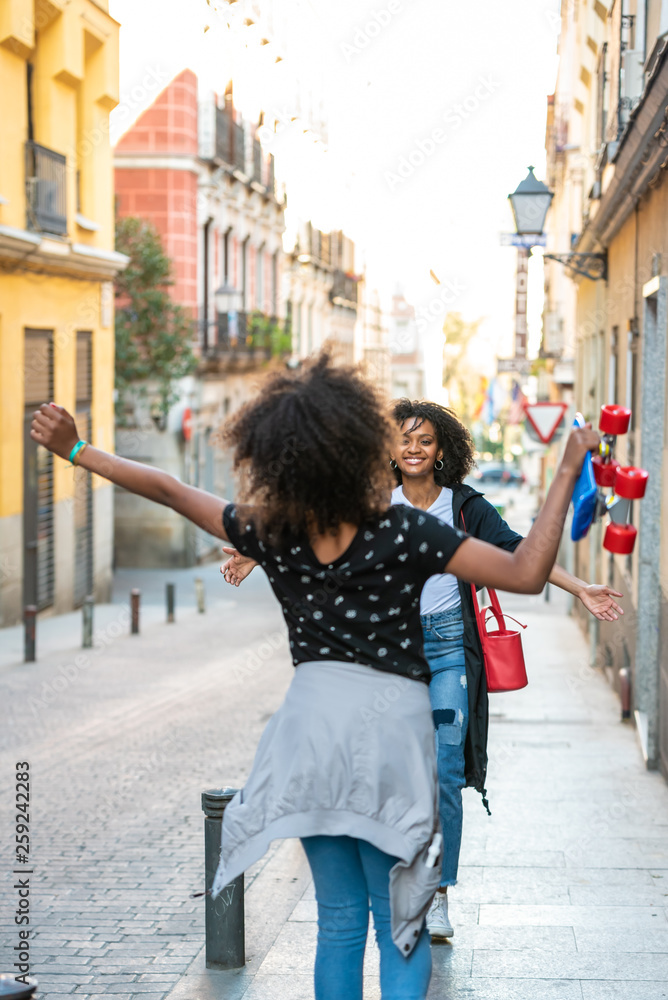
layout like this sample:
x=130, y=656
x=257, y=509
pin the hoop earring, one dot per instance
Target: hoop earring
x=393, y=464
x=438, y=464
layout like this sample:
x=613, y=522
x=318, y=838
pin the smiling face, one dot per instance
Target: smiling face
x=416, y=448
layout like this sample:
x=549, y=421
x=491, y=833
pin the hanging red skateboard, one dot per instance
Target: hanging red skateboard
x=602, y=472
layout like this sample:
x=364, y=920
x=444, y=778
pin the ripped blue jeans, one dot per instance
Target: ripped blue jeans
x=444, y=651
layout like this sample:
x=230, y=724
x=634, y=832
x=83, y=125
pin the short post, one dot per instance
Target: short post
x=625, y=692
x=87, y=610
x=12, y=989
x=135, y=596
x=199, y=592
x=29, y=621
x=224, y=916
x=170, y=601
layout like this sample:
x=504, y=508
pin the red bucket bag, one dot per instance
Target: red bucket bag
x=502, y=648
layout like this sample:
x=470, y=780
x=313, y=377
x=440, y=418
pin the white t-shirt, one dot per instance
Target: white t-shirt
x=440, y=592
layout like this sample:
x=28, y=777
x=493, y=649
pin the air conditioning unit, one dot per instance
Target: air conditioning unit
x=632, y=83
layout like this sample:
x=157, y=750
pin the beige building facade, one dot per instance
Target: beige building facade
x=608, y=157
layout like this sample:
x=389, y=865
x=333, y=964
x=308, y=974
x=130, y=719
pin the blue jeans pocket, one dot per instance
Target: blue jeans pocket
x=445, y=632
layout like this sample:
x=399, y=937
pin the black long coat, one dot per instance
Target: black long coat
x=482, y=521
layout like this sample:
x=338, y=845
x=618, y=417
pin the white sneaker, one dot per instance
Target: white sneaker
x=438, y=924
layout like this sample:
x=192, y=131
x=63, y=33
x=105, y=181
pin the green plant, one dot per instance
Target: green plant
x=265, y=332
x=153, y=334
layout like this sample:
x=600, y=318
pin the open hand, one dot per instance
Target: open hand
x=598, y=600
x=236, y=569
x=53, y=427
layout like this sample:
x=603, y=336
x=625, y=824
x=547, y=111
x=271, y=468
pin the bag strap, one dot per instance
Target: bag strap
x=494, y=606
x=500, y=618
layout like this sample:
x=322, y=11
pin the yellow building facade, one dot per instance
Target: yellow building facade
x=59, y=81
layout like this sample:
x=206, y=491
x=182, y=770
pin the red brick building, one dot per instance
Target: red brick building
x=159, y=180
x=192, y=166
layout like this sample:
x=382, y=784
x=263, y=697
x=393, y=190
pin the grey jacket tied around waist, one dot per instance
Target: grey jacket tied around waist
x=350, y=752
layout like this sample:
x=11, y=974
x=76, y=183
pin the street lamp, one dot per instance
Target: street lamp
x=228, y=299
x=530, y=203
x=229, y=303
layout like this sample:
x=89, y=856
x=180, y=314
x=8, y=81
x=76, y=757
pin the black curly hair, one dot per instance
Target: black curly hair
x=312, y=449
x=453, y=438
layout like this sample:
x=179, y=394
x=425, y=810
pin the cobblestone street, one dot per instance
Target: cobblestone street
x=563, y=892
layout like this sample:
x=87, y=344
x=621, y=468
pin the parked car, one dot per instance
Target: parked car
x=496, y=474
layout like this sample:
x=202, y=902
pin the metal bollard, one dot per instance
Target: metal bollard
x=29, y=620
x=87, y=609
x=135, y=596
x=224, y=916
x=12, y=989
x=625, y=692
x=170, y=601
x=199, y=592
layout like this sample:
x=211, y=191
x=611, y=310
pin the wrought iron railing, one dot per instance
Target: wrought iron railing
x=344, y=288
x=238, y=151
x=223, y=143
x=257, y=161
x=46, y=189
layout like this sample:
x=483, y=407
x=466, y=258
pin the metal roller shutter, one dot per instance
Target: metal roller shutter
x=38, y=567
x=83, y=484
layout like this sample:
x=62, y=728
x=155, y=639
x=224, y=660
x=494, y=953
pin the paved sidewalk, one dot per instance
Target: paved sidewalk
x=563, y=892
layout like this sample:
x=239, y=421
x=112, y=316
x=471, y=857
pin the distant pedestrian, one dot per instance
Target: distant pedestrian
x=431, y=457
x=348, y=762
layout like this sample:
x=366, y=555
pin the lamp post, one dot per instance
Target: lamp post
x=229, y=302
x=530, y=202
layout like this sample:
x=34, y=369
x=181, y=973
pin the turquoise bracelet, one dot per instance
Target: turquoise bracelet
x=75, y=451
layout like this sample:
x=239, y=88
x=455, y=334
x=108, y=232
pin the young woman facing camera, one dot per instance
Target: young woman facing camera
x=432, y=454
x=356, y=784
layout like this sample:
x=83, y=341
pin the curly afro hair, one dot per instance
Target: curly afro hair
x=453, y=438
x=312, y=449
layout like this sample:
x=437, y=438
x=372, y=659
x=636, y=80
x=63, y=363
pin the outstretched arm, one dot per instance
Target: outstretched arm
x=53, y=427
x=597, y=598
x=525, y=571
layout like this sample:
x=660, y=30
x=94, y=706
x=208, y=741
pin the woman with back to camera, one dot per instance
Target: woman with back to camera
x=432, y=456
x=347, y=763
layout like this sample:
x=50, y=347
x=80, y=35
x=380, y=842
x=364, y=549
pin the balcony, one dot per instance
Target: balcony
x=257, y=162
x=249, y=342
x=239, y=161
x=46, y=179
x=344, y=290
x=229, y=140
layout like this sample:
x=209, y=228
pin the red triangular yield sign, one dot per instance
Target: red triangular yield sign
x=545, y=418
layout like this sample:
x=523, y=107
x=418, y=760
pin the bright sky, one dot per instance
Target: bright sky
x=433, y=117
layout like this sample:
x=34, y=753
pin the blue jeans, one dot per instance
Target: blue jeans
x=348, y=873
x=444, y=650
